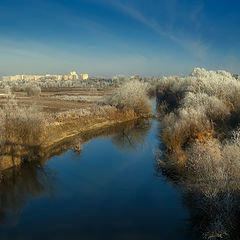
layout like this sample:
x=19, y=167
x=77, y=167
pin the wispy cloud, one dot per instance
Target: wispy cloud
x=197, y=47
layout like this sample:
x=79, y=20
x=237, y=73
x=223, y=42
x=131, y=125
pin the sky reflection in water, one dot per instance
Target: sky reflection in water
x=108, y=191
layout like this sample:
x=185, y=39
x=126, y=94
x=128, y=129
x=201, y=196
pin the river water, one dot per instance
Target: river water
x=110, y=190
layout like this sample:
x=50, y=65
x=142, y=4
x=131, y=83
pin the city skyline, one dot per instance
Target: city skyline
x=107, y=37
x=71, y=76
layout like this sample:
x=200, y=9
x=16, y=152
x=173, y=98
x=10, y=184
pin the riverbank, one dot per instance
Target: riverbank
x=63, y=129
x=32, y=126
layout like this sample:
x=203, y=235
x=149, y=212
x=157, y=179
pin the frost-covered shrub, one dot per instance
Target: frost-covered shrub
x=7, y=90
x=21, y=125
x=206, y=167
x=219, y=84
x=132, y=95
x=212, y=94
x=166, y=83
x=209, y=179
x=201, y=153
x=214, y=108
x=184, y=126
x=33, y=90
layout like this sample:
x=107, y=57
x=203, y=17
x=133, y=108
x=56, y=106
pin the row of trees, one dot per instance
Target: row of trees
x=91, y=83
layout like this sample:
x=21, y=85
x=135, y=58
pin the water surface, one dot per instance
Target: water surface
x=109, y=190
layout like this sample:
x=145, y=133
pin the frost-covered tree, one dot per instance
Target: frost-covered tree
x=132, y=95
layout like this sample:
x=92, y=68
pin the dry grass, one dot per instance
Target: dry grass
x=19, y=124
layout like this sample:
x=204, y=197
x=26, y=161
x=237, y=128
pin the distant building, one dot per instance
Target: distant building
x=12, y=78
x=6, y=78
x=72, y=76
x=84, y=76
x=30, y=77
x=21, y=77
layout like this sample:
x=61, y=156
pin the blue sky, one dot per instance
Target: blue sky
x=108, y=37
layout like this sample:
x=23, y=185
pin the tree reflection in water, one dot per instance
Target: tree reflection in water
x=19, y=185
x=212, y=200
x=132, y=137
x=33, y=179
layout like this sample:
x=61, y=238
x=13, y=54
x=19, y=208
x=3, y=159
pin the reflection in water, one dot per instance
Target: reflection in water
x=211, y=196
x=210, y=190
x=129, y=135
x=131, y=138
x=214, y=217
x=33, y=179
x=19, y=185
x=98, y=197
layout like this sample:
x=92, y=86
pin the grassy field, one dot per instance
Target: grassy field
x=59, y=100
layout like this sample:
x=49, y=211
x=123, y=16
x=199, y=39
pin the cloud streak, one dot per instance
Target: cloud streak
x=194, y=46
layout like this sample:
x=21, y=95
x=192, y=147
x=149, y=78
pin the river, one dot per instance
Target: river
x=108, y=190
